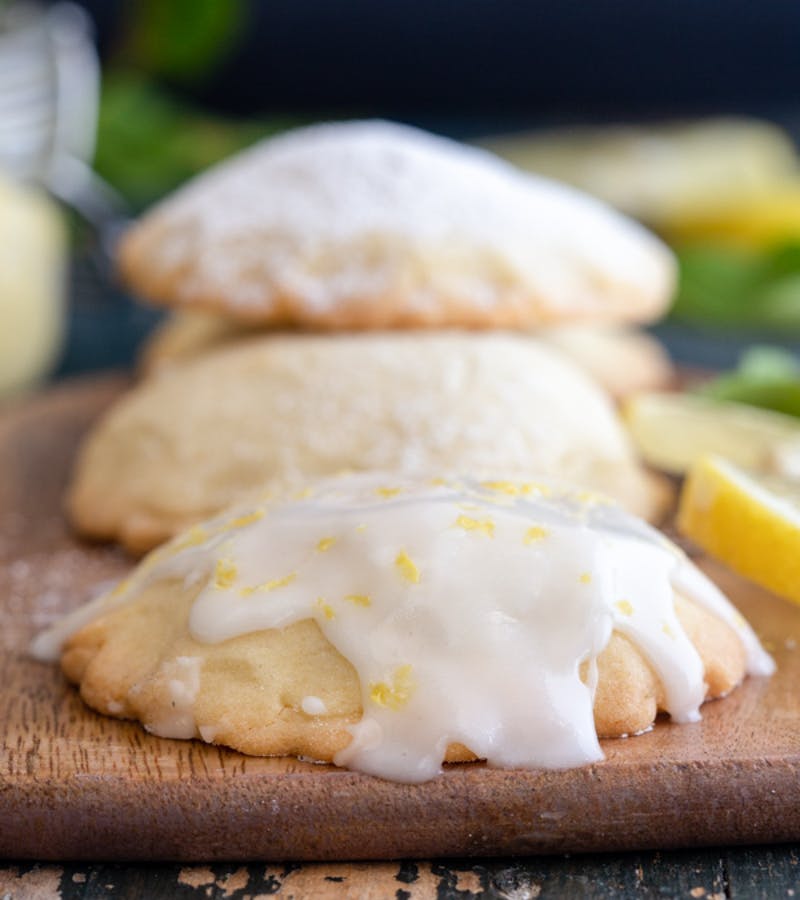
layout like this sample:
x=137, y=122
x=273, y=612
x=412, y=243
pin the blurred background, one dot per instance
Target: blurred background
x=685, y=114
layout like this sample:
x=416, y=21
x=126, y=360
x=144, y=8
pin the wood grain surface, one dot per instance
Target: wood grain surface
x=74, y=785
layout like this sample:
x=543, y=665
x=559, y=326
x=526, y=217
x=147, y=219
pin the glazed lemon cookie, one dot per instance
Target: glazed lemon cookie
x=374, y=225
x=283, y=408
x=388, y=624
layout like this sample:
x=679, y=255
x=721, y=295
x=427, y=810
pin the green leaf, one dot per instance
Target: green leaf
x=765, y=362
x=732, y=288
x=148, y=142
x=768, y=377
x=182, y=39
x=714, y=284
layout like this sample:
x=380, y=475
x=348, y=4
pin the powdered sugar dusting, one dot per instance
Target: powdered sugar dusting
x=367, y=209
x=39, y=588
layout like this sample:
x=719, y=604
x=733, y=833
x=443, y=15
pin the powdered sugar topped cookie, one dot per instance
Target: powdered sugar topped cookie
x=372, y=224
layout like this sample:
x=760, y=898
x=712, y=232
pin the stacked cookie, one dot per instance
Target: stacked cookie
x=345, y=286
x=449, y=598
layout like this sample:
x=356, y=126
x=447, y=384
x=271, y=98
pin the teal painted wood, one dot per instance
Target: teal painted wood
x=759, y=873
x=764, y=873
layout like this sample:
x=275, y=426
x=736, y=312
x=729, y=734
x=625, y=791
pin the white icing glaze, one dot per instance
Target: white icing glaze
x=313, y=706
x=208, y=732
x=183, y=681
x=466, y=609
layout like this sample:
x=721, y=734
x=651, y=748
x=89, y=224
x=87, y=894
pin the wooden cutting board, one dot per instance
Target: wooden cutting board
x=75, y=785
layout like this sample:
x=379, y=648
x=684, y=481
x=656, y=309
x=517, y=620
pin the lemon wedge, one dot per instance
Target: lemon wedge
x=663, y=174
x=749, y=521
x=757, y=220
x=671, y=431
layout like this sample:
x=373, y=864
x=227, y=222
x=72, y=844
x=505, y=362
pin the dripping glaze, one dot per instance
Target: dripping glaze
x=466, y=608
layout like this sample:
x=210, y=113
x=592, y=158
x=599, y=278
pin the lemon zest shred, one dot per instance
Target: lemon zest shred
x=407, y=567
x=247, y=519
x=325, y=608
x=535, y=534
x=503, y=487
x=534, y=487
x=396, y=693
x=225, y=573
x=625, y=607
x=485, y=526
x=280, y=582
x=195, y=536
x=268, y=585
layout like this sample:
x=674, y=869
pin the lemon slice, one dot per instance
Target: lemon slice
x=670, y=431
x=749, y=521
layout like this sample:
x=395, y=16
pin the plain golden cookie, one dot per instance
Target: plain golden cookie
x=623, y=361
x=282, y=409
